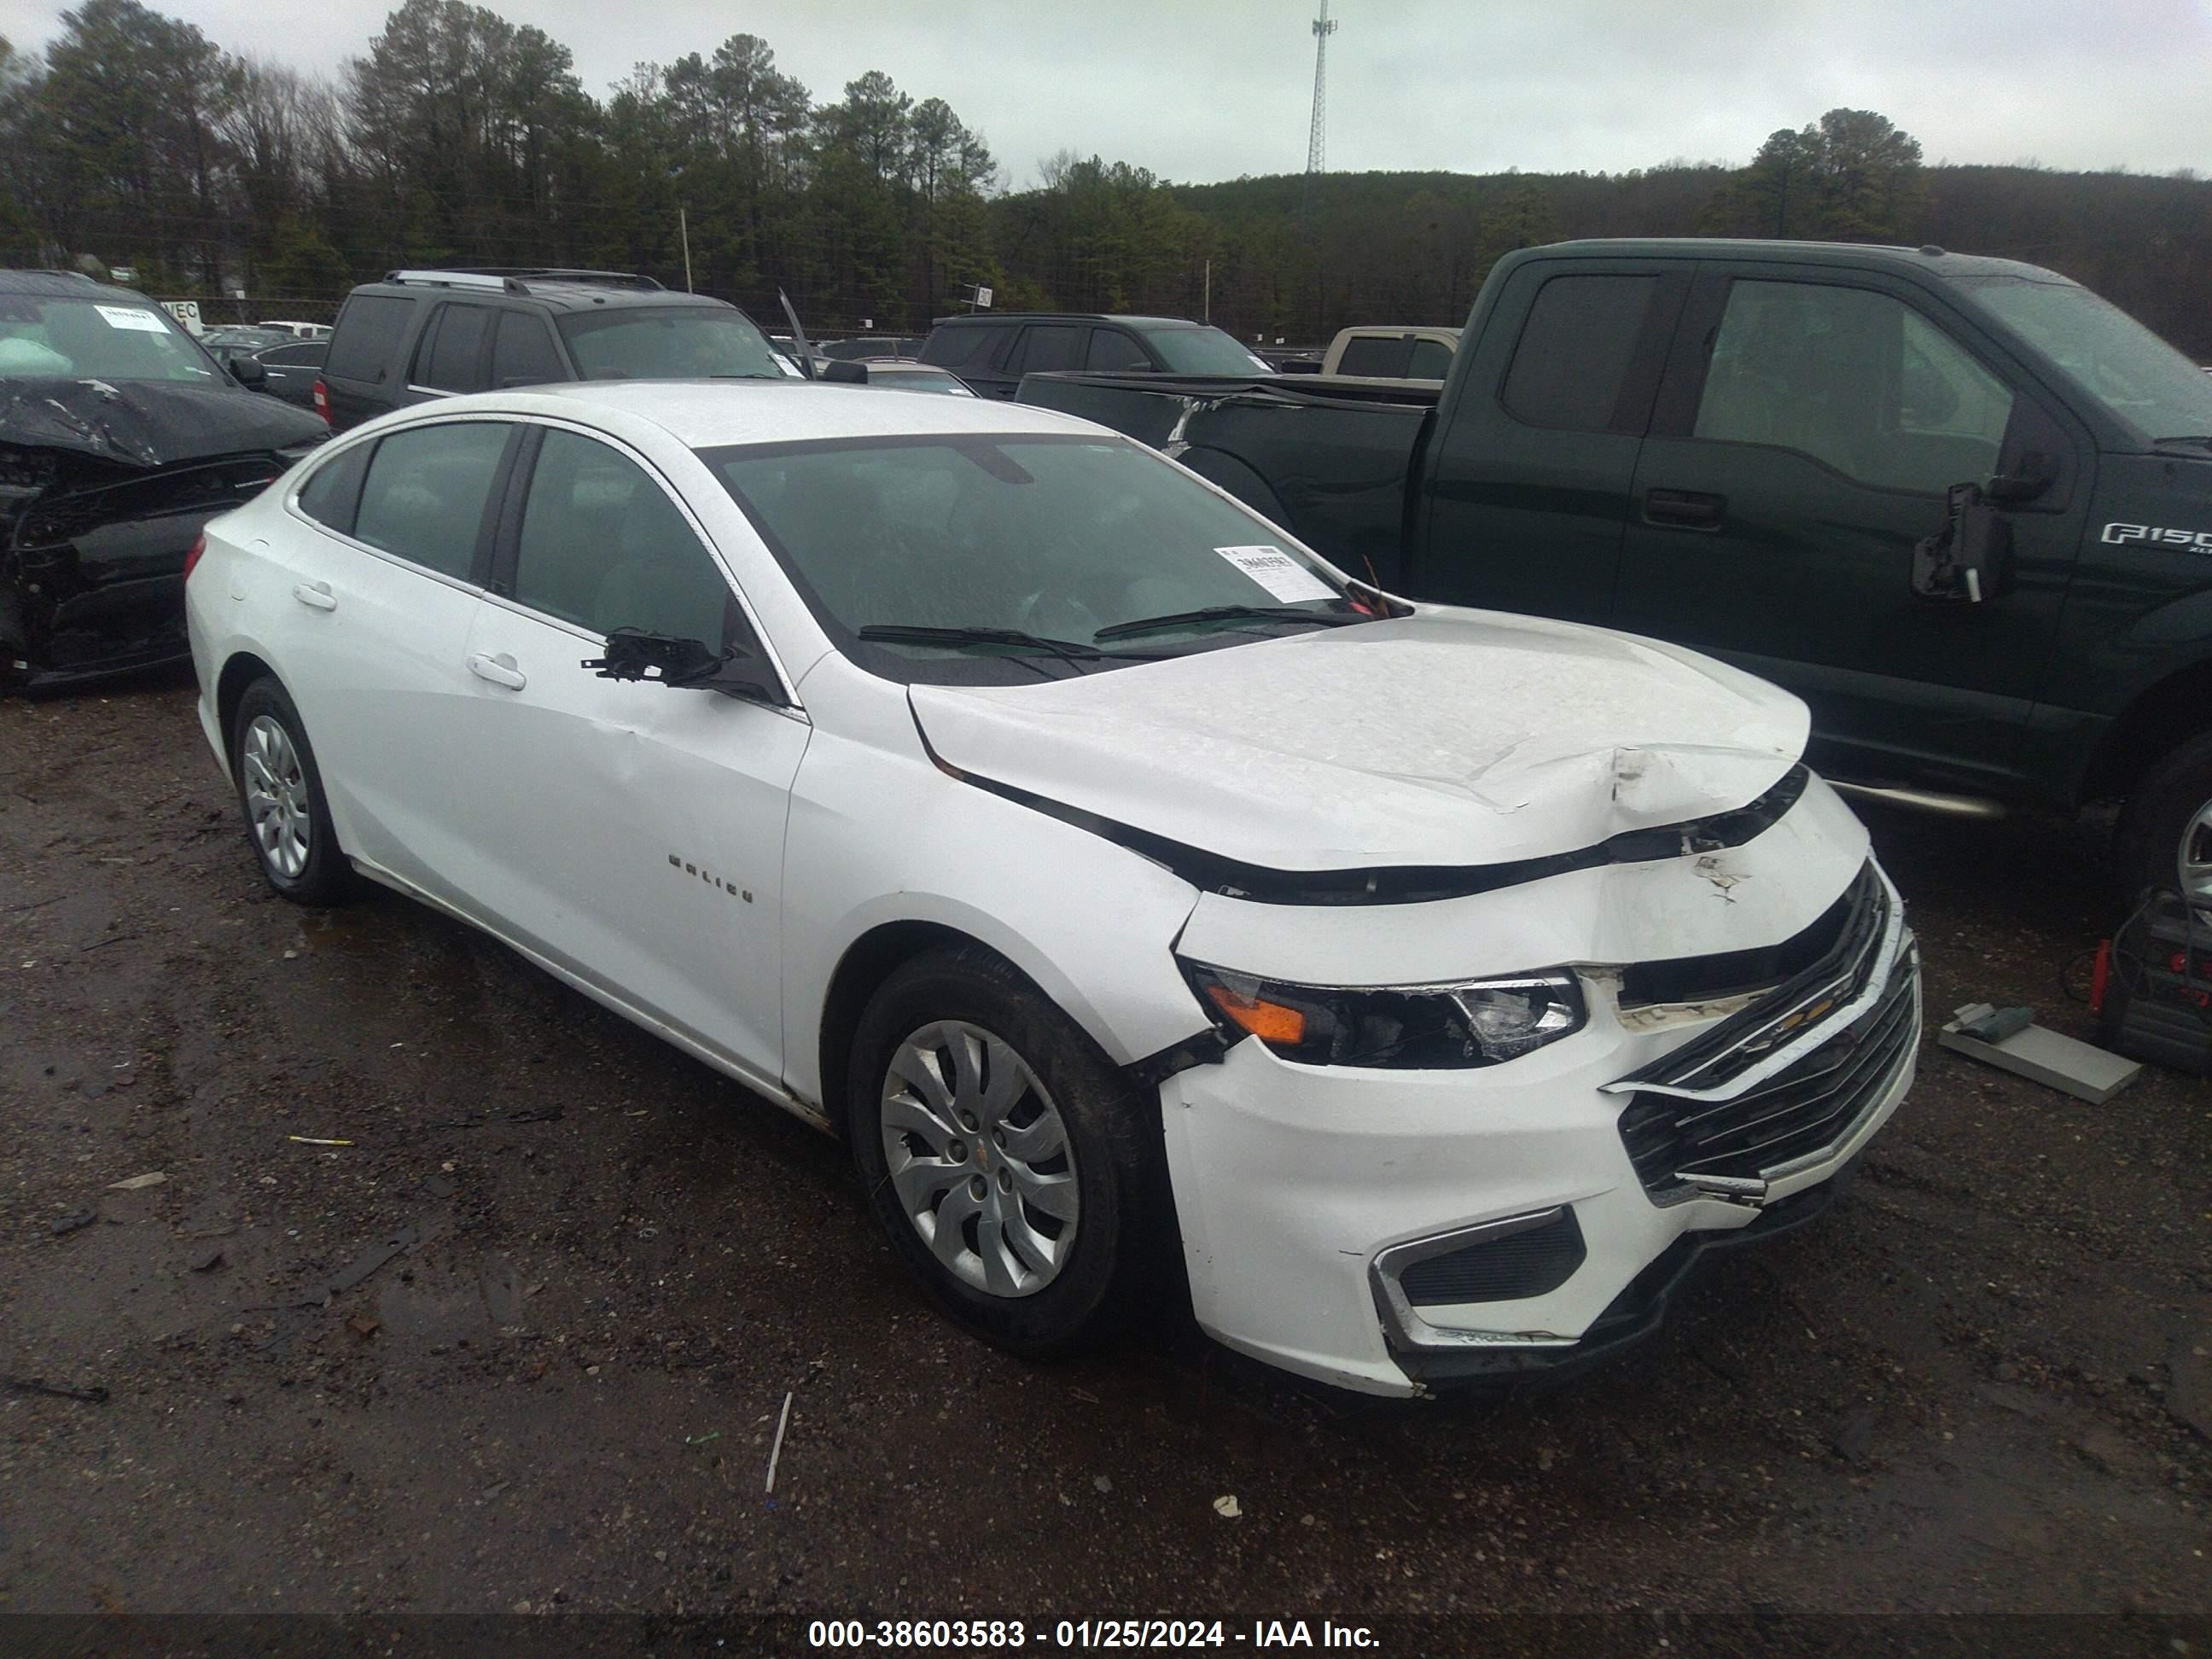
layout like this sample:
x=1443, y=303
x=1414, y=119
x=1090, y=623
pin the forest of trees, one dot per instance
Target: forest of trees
x=461, y=137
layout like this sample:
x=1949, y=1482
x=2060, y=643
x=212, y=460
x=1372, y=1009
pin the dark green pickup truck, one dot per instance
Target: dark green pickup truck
x=1962, y=506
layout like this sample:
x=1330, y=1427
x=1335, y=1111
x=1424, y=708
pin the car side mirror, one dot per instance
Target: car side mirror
x=632, y=653
x=249, y=372
x=1965, y=562
x=844, y=372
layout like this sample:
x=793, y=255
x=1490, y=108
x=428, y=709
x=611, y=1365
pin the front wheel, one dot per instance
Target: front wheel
x=2165, y=837
x=281, y=793
x=1005, y=1158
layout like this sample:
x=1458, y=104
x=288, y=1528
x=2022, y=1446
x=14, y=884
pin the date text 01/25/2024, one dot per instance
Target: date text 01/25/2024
x=915, y=1634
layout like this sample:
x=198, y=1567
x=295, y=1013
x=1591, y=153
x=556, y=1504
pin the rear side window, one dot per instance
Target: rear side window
x=426, y=492
x=452, y=352
x=369, y=331
x=1045, y=348
x=1368, y=355
x=1571, y=365
x=950, y=348
x=1432, y=361
x=522, y=352
x=604, y=547
x=1112, y=350
x=295, y=356
x=330, y=497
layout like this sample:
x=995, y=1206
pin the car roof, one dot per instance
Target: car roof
x=709, y=414
x=67, y=285
x=980, y=317
x=1928, y=260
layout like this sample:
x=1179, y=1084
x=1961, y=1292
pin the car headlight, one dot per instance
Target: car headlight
x=1408, y=1027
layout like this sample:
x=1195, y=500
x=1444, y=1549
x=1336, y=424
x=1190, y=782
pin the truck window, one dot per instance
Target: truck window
x=972, y=346
x=1046, y=348
x=1855, y=380
x=454, y=351
x=1432, y=361
x=1112, y=351
x=1376, y=355
x=1573, y=358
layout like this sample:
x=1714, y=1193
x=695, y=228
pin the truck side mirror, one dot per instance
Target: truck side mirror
x=1965, y=562
x=2037, y=473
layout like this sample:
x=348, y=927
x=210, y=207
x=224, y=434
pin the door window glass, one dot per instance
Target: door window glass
x=604, y=547
x=1367, y=354
x=1112, y=351
x=522, y=352
x=426, y=491
x=1432, y=359
x=1855, y=380
x=455, y=351
x=369, y=330
x=333, y=491
x=1571, y=365
x=972, y=346
x=1046, y=348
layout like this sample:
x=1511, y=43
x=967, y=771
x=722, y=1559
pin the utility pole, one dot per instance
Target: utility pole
x=683, y=229
x=1206, y=315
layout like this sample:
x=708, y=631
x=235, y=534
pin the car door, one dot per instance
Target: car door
x=1524, y=501
x=292, y=371
x=1811, y=425
x=630, y=832
x=382, y=587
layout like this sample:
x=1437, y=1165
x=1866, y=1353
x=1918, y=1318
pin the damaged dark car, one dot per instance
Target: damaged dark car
x=119, y=439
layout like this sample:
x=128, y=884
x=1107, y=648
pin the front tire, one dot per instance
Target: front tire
x=2166, y=835
x=1005, y=1158
x=280, y=791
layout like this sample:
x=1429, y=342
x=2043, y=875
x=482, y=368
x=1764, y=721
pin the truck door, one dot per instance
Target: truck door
x=1809, y=426
x=1523, y=498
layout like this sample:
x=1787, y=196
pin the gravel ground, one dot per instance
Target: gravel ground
x=571, y=1276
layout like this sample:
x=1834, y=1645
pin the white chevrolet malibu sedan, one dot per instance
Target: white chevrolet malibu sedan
x=1146, y=904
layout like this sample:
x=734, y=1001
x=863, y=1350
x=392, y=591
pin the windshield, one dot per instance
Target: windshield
x=1203, y=351
x=674, y=343
x=1055, y=536
x=89, y=339
x=2139, y=377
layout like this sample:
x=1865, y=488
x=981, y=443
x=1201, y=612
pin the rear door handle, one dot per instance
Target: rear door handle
x=316, y=595
x=1683, y=509
x=500, y=670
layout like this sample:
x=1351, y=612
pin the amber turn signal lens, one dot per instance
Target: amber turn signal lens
x=1270, y=1022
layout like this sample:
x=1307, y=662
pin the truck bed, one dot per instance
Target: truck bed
x=1326, y=457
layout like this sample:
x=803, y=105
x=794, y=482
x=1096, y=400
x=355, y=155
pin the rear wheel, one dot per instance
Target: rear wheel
x=1005, y=1158
x=281, y=793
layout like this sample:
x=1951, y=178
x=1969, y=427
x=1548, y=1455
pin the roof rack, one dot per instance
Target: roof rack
x=507, y=279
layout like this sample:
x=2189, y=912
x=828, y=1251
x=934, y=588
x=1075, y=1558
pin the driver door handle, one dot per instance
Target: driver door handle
x=316, y=595
x=1683, y=509
x=500, y=670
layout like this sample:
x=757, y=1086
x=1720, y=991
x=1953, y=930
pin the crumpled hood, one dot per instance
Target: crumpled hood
x=148, y=423
x=1449, y=736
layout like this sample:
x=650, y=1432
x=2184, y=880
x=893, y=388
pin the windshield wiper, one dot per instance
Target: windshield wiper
x=1074, y=651
x=1229, y=613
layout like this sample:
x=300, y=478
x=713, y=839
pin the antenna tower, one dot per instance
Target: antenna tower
x=1317, y=138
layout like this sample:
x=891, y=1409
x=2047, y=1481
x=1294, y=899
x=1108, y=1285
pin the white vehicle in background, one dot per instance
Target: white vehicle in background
x=1414, y=353
x=301, y=330
x=1146, y=902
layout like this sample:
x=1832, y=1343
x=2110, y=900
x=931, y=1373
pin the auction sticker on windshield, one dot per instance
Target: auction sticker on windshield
x=1283, y=576
x=132, y=317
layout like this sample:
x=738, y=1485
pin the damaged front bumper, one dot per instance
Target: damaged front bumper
x=1396, y=1232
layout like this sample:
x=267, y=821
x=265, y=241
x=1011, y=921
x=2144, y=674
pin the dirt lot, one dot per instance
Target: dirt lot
x=1979, y=1383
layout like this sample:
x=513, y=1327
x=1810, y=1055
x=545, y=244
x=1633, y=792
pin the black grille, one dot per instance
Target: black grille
x=1534, y=1262
x=1806, y=1108
x=1840, y=974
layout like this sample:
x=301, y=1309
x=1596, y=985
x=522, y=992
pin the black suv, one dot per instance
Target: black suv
x=992, y=353
x=424, y=334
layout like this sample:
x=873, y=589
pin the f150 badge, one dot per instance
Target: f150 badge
x=2193, y=541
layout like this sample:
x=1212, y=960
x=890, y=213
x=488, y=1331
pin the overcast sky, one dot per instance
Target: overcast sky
x=1205, y=89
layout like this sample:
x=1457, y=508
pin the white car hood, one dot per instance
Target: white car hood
x=1445, y=738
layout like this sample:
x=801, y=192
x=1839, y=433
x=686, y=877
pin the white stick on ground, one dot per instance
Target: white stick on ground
x=776, y=1450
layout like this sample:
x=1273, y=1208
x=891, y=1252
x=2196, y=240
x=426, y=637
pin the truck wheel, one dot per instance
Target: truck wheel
x=281, y=792
x=1006, y=1160
x=2167, y=835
